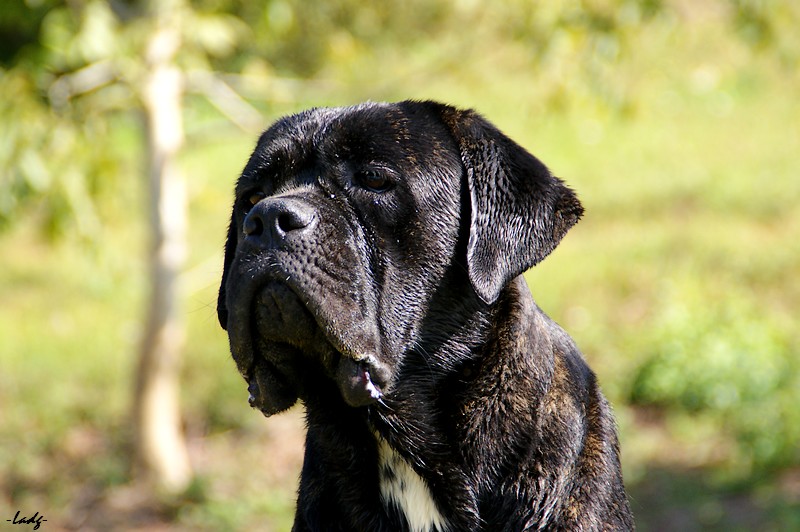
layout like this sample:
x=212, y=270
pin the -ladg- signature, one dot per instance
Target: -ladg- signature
x=35, y=520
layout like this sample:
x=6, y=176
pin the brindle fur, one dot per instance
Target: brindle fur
x=401, y=313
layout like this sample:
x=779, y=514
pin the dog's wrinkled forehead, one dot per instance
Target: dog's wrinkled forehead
x=402, y=137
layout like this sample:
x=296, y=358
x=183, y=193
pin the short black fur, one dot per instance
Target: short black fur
x=399, y=317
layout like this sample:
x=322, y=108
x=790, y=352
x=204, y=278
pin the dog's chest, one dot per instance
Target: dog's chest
x=402, y=487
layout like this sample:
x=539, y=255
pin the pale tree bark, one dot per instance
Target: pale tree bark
x=161, y=452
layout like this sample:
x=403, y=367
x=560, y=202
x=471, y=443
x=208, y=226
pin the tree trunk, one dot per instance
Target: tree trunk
x=162, y=456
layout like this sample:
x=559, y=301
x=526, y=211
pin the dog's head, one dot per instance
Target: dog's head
x=346, y=224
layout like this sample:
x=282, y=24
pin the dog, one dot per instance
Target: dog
x=373, y=271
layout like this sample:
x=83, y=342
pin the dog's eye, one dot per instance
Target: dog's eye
x=249, y=201
x=373, y=181
x=255, y=197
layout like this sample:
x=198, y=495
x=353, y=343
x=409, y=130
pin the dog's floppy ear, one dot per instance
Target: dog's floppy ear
x=519, y=210
x=230, y=251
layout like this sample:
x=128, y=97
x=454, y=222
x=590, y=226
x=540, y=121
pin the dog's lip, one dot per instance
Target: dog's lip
x=360, y=377
x=355, y=380
x=254, y=391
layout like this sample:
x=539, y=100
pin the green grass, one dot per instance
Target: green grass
x=680, y=286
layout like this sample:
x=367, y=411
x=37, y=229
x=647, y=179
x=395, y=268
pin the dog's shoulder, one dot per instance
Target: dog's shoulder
x=561, y=449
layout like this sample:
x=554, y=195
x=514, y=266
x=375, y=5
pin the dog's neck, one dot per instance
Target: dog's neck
x=432, y=425
x=403, y=490
x=426, y=433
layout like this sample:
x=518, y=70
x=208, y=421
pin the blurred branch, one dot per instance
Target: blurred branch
x=160, y=443
x=225, y=99
x=82, y=81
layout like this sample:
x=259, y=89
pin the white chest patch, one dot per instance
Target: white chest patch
x=400, y=485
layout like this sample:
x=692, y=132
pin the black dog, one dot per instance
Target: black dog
x=372, y=270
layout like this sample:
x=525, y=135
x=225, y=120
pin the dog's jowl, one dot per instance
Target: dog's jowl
x=373, y=272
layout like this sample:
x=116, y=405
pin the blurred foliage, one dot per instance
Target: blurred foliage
x=71, y=90
x=68, y=66
x=769, y=26
x=731, y=365
x=56, y=167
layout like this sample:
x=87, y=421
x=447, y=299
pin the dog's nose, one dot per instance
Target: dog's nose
x=273, y=220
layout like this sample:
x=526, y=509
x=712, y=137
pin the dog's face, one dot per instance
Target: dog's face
x=347, y=222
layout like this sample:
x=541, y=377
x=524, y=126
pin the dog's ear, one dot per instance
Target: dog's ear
x=519, y=210
x=230, y=251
